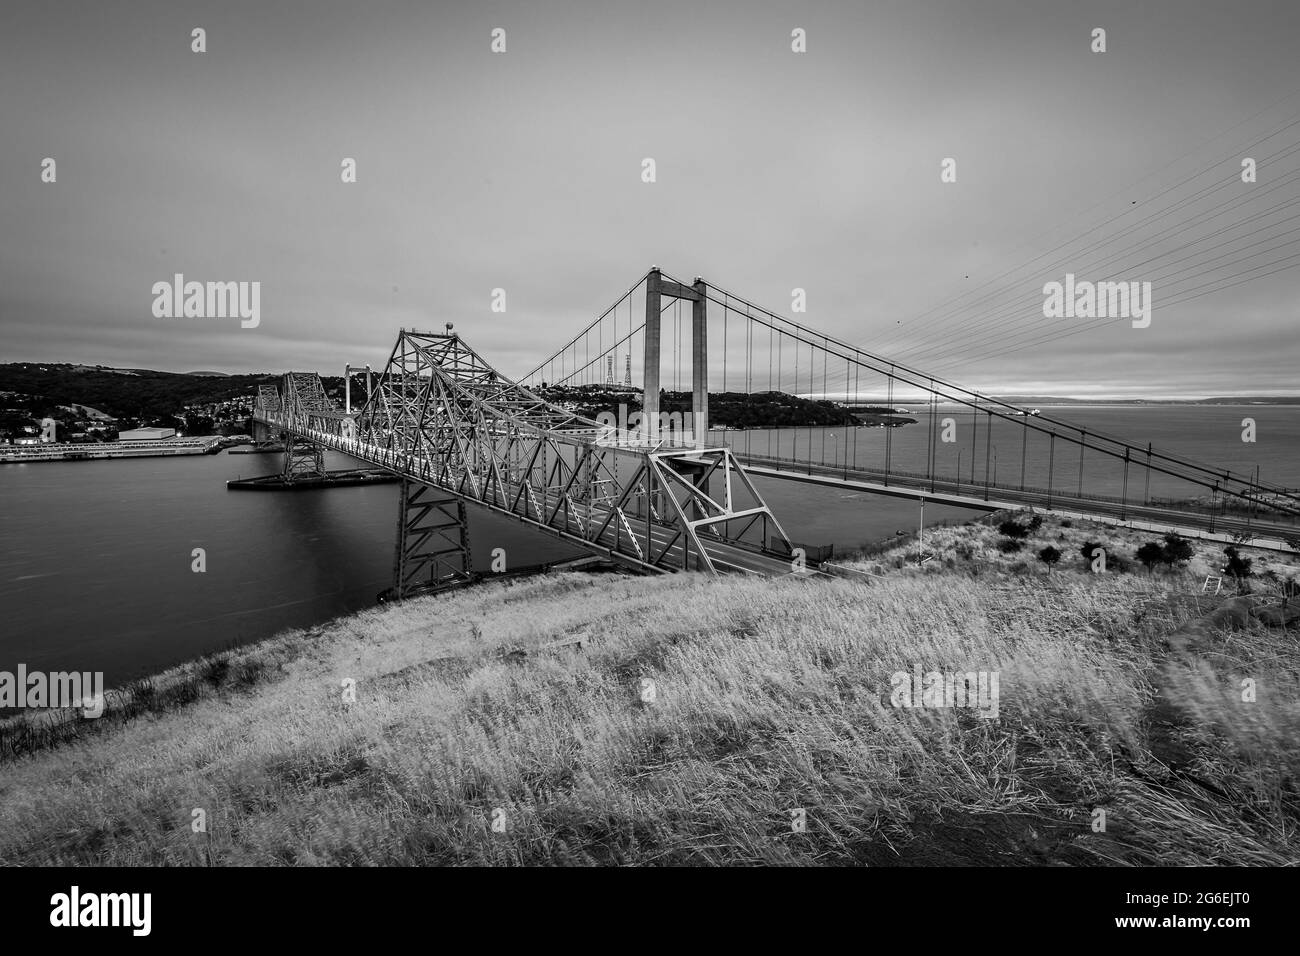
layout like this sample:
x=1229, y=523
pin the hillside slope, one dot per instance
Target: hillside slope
x=771, y=706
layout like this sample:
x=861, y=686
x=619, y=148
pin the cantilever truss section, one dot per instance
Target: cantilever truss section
x=441, y=416
x=268, y=399
x=303, y=456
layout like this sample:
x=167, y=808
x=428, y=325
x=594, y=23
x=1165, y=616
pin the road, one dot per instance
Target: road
x=1001, y=497
x=726, y=557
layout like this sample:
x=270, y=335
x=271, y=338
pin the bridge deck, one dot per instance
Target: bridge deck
x=999, y=497
x=728, y=557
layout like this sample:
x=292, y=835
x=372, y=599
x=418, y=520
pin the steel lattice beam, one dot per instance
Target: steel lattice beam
x=442, y=416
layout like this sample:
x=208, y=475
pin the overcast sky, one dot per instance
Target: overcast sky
x=522, y=170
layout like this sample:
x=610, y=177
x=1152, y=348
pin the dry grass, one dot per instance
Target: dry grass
x=973, y=549
x=770, y=697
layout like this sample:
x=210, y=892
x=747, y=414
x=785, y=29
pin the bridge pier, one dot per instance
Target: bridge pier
x=432, y=540
x=303, y=458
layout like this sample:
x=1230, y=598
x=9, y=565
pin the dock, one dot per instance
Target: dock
x=334, y=479
x=70, y=451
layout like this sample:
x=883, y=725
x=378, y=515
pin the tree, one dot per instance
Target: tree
x=195, y=424
x=1237, y=567
x=1151, y=554
x=1049, y=556
x=1177, y=550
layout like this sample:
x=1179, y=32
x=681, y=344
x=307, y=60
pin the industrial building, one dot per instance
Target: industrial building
x=146, y=434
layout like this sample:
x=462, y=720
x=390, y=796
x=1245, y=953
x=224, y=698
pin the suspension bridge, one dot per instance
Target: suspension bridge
x=635, y=473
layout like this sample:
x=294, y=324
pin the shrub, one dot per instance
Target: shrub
x=1013, y=529
x=1010, y=545
x=1089, y=547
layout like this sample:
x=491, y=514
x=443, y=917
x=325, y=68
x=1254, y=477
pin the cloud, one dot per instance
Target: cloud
x=521, y=171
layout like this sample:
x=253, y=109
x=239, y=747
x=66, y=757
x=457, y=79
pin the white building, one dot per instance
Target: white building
x=146, y=434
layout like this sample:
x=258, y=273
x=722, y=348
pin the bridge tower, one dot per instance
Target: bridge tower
x=347, y=384
x=658, y=288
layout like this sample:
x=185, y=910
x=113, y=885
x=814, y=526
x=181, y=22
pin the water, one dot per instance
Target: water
x=95, y=566
x=95, y=556
x=1002, y=451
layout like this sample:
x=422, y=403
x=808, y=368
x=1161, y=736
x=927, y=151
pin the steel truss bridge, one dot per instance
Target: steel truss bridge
x=655, y=489
x=458, y=431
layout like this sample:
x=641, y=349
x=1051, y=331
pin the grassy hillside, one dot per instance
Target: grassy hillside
x=123, y=392
x=770, y=697
x=974, y=549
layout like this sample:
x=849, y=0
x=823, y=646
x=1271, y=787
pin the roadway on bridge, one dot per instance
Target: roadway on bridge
x=947, y=491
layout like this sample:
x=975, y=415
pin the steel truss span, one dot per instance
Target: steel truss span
x=443, y=417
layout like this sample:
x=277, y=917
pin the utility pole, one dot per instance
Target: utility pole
x=920, y=533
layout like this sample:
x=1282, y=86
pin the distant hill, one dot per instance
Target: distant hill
x=209, y=374
x=125, y=392
x=86, y=411
x=100, y=368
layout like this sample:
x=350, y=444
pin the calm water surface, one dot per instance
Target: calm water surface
x=95, y=555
